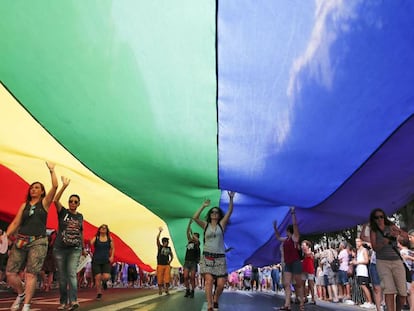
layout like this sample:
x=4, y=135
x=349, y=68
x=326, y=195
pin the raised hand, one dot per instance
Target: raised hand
x=50, y=165
x=65, y=181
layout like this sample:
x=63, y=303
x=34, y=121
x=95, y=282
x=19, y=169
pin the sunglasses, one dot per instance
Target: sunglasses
x=379, y=217
x=74, y=201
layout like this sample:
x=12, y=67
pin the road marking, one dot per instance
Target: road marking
x=125, y=304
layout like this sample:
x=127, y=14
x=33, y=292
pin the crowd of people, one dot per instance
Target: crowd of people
x=31, y=252
x=373, y=271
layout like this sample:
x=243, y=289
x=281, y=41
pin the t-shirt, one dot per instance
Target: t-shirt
x=343, y=257
x=69, y=225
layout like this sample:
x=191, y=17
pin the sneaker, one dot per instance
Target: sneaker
x=99, y=297
x=62, y=307
x=215, y=306
x=187, y=293
x=192, y=294
x=367, y=305
x=349, y=302
x=19, y=300
x=26, y=307
x=74, y=306
x=104, y=285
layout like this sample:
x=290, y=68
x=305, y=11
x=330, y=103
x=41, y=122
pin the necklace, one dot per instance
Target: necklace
x=214, y=232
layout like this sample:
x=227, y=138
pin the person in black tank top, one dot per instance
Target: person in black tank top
x=30, y=248
x=103, y=257
x=192, y=257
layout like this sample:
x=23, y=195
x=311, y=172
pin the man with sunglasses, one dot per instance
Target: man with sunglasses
x=68, y=248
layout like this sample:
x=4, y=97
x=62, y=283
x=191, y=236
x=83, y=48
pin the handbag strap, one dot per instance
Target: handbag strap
x=394, y=247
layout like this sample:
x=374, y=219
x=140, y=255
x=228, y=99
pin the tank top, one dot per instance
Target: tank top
x=214, y=239
x=386, y=252
x=34, y=220
x=163, y=256
x=290, y=252
x=361, y=269
x=101, y=253
x=193, y=252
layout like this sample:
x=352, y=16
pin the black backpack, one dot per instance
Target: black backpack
x=335, y=264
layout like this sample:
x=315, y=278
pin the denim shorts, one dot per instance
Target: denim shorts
x=373, y=274
x=342, y=277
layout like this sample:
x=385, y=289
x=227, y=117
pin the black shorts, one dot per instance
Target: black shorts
x=100, y=268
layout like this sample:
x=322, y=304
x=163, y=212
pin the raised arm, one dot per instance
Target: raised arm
x=158, y=237
x=56, y=200
x=277, y=234
x=189, y=232
x=47, y=200
x=197, y=214
x=226, y=217
x=295, y=236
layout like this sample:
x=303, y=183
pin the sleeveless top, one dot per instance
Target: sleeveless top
x=34, y=220
x=290, y=252
x=214, y=240
x=386, y=252
x=361, y=269
x=193, y=252
x=163, y=256
x=101, y=253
